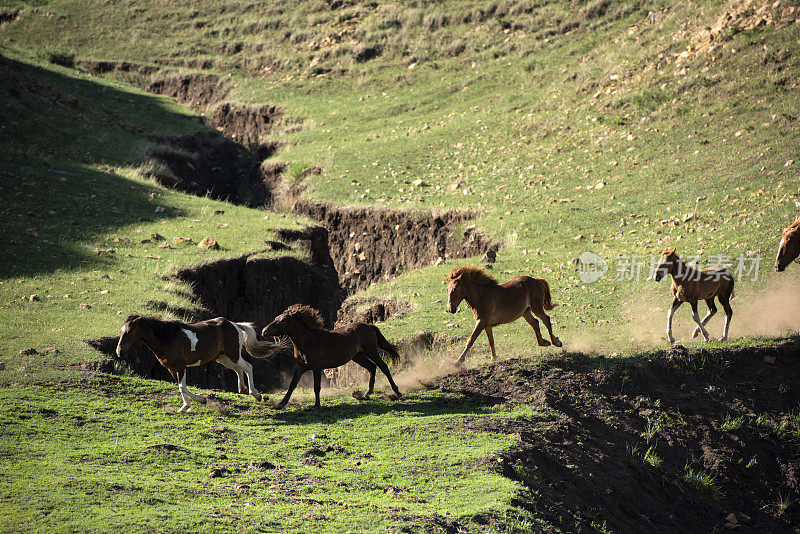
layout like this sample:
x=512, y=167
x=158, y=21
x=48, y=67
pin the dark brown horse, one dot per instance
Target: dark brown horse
x=493, y=303
x=179, y=345
x=316, y=348
x=691, y=285
x=789, y=247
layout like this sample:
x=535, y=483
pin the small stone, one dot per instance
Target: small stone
x=418, y=182
x=732, y=518
x=219, y=212
x=34, y=298
x=157, y=237
x=2, y=366
x=489, y=257
x=208, y=243
x=439, y=261
x=28, y=352
x=769, y=359
x=454, y=186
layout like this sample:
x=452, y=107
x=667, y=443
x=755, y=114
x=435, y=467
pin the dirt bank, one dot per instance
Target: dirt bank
x=618, y=445
x=371, y=245
x=211, y=164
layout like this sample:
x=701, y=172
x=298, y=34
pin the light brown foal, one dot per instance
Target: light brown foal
x=179, y=345
x=493, y=303
x=691, y=285
x=789, y=246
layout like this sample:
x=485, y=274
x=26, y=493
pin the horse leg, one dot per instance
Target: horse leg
x=535, y=324
x=546, y=320
x=364, y=362
x=241, y=367
x=490, y=338
x=726, y=305
x=675, y=305
x=711, y=311
x=375, y=358
x=317, y=387
x=186, y=394
x=696, y=317
x=478, y=327
x=296, y=374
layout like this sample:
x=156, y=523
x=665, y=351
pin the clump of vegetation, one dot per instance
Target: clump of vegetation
x=65, y=59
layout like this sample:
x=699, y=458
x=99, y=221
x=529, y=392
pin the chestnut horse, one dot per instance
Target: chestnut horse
x=494, y=304
x=690, y=285
x=178, y=345
x=789, y=247
x=316, y=348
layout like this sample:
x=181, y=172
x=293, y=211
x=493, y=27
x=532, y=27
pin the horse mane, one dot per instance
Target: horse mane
x=164, y=330
x=792, y=228
x=308, y=315
x=473, y=274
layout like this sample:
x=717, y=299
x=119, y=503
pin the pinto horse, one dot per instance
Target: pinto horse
x=493, y=303
x=179, y=345
x=789, y=247
x=690, y=285
x=316, y=348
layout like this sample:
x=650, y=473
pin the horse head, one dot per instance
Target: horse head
x=280, y=326
x=455, y=292
x=665, y=264
x=129, y=335
x=789, y=247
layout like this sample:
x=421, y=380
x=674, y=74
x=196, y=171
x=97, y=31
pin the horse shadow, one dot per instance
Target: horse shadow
x=455, y=402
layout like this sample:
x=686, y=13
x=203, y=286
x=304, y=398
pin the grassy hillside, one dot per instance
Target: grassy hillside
x=613, y=127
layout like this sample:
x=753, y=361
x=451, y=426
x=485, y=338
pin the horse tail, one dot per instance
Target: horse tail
x=386, y=346
x=254, y=347
x=547, y=303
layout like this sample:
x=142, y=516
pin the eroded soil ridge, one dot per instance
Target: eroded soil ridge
x=674, y=443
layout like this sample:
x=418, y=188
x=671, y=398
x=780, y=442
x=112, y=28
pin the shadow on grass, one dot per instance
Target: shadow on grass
x=466, y=403
x=60, y=142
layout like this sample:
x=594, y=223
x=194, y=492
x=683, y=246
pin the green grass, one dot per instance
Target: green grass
x=703, y=481
x=563, y=138
x=393, y=464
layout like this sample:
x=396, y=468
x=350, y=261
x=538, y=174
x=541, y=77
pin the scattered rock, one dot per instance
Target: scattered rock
x=489, y=257
x=439, y=261
x=157, y=237
x=418, y=182
x=28, y=352
x=208, y=243
x=34, y=298
x=769, y=359
x=2, y=366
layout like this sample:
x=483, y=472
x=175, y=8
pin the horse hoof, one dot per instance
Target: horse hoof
x=458, y=363
x=257, y=397
x=202, y=400
x=398, y=395
x=695, y=333
x=544, y=343
x=183, y=409
x=280, y=406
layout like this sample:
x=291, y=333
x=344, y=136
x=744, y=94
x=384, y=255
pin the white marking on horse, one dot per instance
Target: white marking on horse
x=241, y=336
x=192, y=338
